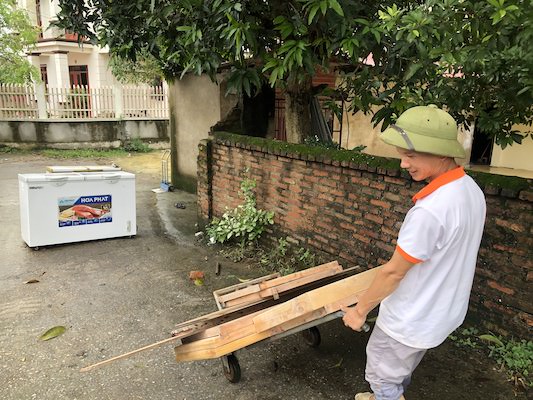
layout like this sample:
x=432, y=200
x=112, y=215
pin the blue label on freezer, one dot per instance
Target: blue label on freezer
x=84, y=210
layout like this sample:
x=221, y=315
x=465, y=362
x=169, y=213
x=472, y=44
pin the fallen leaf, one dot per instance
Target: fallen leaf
x=196, y=275
x=53, y=332
x=199, y=282
x=32, y=281
x=243, y=280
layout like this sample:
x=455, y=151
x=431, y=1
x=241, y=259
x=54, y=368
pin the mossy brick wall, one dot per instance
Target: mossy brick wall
x=350, y=207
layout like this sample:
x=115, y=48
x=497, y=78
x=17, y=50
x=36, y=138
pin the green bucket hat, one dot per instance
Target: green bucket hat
x=426, y=129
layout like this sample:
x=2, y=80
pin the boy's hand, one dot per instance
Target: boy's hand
x=353, y=319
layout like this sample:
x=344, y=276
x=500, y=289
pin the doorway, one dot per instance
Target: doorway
x=481, y=148
x=79, y=75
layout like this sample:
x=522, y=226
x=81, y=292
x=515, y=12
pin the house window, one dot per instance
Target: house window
x=38, y=16
x=44, y=74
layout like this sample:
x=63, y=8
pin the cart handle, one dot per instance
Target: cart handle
x=365, y=328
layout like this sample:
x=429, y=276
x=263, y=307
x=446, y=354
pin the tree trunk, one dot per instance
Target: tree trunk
x=297, y=109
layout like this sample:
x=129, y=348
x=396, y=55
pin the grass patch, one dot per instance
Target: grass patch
x=11, y=150
x=82, y=153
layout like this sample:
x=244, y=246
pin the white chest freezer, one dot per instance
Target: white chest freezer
x=72, y=207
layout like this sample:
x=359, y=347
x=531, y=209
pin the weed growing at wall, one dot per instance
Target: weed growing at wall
x=245, y=223
x=513, y=356
x=285, y=258
x=282, y=257
x=136, y=145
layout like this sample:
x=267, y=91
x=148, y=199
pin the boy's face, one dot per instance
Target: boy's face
x=421, y=166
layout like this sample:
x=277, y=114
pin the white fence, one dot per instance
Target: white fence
x=20, y=102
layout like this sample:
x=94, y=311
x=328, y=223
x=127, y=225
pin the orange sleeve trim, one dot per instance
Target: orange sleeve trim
x=409, y=258
x=439, y=181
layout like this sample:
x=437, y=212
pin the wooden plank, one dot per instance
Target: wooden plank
x=242, y=332
x=323, y=273
x=219, y=317
x=220, y=293
x=241, y=285
x=274, y=287
x=249, y=299
x=213, y=348
x=333, y=265
x=313, y=300
x=239, y=293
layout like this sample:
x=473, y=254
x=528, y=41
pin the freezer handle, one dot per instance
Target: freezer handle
x=112, y=177
x=56, y=178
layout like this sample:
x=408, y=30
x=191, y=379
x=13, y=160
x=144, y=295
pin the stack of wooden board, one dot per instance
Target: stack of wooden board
x=269, y=306
x=272, y=286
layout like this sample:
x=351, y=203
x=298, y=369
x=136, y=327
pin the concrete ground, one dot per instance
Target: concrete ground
x=116, y=295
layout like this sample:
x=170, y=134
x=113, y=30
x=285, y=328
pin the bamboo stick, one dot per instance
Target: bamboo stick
x=130, y=353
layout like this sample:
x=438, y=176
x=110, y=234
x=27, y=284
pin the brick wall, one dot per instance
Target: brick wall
x=352, y=212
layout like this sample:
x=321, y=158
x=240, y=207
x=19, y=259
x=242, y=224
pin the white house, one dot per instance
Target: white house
x=63, y=63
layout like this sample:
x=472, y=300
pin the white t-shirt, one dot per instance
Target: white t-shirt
x=442, y=232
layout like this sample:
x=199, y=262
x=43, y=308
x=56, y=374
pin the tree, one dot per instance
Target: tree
x=470, y=56
x=279, y=41
x=145, y=69
x=474, y=57
x=16, y=35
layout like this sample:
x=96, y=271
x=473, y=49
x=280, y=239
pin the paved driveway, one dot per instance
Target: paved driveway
x=120, y=294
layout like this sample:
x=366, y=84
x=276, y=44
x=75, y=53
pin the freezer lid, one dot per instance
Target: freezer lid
x=81, y=168
x=111, y=176
x=50, y=178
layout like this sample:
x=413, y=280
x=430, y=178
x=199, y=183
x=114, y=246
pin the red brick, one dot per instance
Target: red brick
x=380, y=203
x=318, y=172
x=362, y=238
x=377, y=219
x=509, y=225
x=526, y=196
x=377, y=185
x=500, y=288
x=398, y=181
x=509, y=249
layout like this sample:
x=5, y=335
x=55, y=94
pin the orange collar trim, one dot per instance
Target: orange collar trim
x=439, y=181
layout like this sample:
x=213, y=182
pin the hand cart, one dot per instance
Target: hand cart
x=265, y=309
x=212, y=343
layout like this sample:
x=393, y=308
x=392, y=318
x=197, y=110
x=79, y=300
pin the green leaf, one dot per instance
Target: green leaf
x=312, y=13
x=413, y=68
x=491, y=339
x=336, y=7
x=53, y=332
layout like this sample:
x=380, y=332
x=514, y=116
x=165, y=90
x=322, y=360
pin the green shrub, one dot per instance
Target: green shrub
x=136, y=145
x=245, y=223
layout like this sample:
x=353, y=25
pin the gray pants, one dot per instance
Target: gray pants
x=389, y=365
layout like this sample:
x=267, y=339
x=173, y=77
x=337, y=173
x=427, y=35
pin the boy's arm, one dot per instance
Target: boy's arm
x=385, y=282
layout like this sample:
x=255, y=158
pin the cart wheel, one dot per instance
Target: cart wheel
x=232, y=369
x=36, y=248
x=312, y=336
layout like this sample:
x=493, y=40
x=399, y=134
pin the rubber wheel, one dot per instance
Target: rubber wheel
x=312, y=336
x=232, y=371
